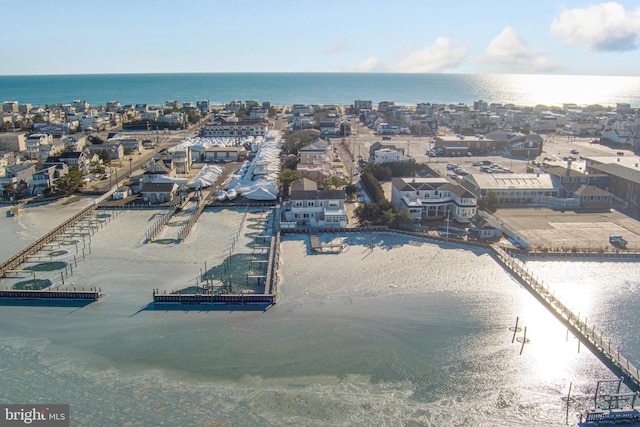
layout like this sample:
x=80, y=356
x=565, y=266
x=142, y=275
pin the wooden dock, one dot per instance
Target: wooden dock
x=603, y=348
x=213, y=299
x=92, y=295
x=24, y=254
x=318, y=246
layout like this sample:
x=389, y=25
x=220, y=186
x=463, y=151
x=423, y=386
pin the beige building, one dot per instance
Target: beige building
x=13, y=141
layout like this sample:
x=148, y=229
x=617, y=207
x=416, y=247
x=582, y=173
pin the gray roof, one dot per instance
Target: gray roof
x=458, y=190
x=320, y=145
x=20, y=167
x=304, y=184
x=620, y=171
x=590, y=190
x=415, y=184
x=514, y=181
x=318, y=195
x=158, y=187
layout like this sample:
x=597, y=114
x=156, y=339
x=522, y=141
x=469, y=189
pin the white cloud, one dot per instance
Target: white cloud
x=603, y=27
x=442, y=55
x=514, y=54
x=372, y=63
x=335, y=47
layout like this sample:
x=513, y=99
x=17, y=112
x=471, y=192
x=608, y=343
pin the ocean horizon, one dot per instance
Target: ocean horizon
x=322, y=88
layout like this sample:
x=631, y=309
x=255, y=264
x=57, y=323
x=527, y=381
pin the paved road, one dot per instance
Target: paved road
x=121, y=170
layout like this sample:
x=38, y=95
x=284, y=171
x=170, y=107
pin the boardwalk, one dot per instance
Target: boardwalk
x=603, y=348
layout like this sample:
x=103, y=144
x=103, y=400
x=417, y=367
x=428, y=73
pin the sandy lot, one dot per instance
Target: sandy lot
x=548, y=228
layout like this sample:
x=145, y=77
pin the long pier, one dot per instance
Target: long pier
x=603, y=348
x=30, y=250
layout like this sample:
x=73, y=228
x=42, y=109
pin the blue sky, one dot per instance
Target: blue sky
x=422, y=36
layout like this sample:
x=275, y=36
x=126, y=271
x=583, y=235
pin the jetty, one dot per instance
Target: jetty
x=592, y=338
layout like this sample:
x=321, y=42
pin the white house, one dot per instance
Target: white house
x=315, y=153
x=35, y=143
x=388, y=155
x=308, y=206
x=433, y=198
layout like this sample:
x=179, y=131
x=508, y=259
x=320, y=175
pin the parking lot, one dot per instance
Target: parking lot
x=556, y=147
x=543, y=228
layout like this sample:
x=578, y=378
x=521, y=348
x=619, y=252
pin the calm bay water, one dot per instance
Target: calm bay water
x=322, y=88
x=409, y=333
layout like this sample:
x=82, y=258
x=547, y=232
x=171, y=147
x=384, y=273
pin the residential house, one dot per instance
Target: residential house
x=54, y=128
x=486, y=227
x=315, y=153
x=309, y=206
x=181, y=159
x=129, y=144
x=388, y=155
x=42, y=180
x=300, y=109
x=73, y=142
x=257, y=113
x=34, y=142
x=73, y=159
x=115, y=150
x=376, y=146
x=328, y=127
x=160, y=192
x=433, y=198
x=624, y=137
x=158, y=168
x=17, y=177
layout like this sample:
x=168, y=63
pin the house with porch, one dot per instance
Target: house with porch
x=310, y=207
x=433, y=198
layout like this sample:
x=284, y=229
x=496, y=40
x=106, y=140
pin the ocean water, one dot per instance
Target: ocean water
x=389, y=332
x=322, y=88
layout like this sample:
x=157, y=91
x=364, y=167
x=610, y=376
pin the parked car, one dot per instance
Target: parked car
x=617, y=240
x=574, y=151
x=620, y=153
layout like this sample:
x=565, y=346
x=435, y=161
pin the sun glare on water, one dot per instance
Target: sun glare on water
x=550, y=90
